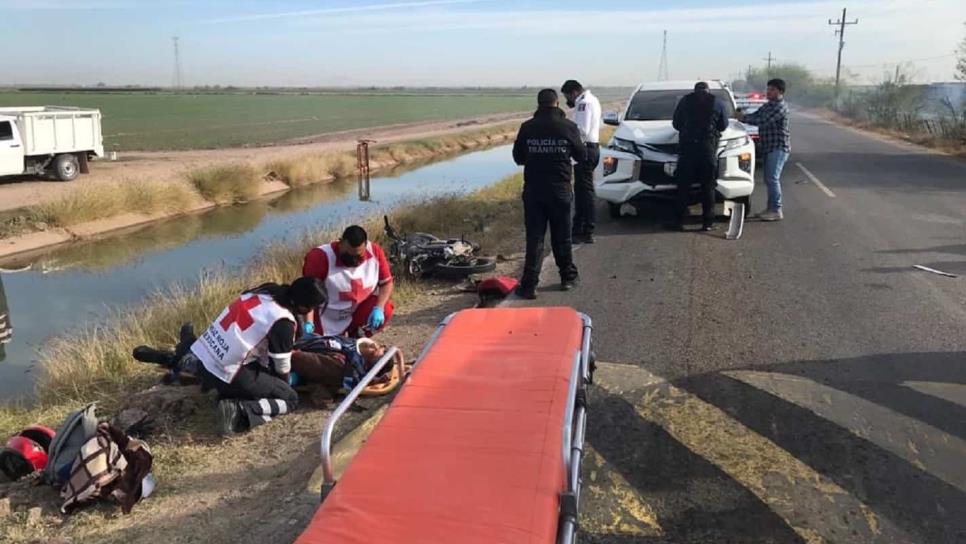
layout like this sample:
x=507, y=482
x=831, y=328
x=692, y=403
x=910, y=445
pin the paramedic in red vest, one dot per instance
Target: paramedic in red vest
x=246, y=353
x=358, y=282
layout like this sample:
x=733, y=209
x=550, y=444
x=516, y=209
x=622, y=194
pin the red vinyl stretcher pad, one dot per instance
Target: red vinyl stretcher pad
x=470, y=451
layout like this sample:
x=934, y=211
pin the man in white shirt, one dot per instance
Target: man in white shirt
x=587, y=116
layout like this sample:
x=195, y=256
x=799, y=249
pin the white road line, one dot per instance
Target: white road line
x=815, y=180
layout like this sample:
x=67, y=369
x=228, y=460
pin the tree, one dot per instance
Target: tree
x=961, y=61
x=802, y=86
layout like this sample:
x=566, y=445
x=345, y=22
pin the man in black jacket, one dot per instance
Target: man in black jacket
x=545, y=146
x=700, y=118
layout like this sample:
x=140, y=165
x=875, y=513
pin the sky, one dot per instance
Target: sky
x=463, y=42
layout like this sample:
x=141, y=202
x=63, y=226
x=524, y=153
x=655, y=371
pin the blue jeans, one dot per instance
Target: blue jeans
x=774, y=163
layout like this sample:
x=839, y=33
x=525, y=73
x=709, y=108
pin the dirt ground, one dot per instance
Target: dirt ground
x=19, y=191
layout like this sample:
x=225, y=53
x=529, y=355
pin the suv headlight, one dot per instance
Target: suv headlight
x=735, y=143
x=610, y=165
x=624, y=145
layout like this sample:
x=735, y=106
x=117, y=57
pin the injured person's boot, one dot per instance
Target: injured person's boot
x=163, y=357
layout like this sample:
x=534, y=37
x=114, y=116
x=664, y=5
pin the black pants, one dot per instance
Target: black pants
x=538, y=212
x=252, y=382
x=584, y=196
x=698, y=163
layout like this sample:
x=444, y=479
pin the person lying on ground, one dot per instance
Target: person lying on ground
x=358, y=282
x=246, y=353
x=338, y=362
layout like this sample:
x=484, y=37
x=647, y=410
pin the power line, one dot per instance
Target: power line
x=841, y=23
x=769, y=59
x=176, y=81
x=662, y=74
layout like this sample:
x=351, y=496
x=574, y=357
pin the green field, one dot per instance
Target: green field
x=166, y=120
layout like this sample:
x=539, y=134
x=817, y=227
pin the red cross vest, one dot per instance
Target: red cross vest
x=239, y=335
x=347, y=287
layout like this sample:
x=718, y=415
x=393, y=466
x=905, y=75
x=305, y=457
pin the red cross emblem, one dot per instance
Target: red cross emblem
x=238, y=314
x=356, y=292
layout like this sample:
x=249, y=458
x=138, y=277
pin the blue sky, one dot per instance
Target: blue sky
x=461, y=42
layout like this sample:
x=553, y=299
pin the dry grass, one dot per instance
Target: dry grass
x=308, y=169
x=100, y=201
x=96, y=364
x=932, y=141
x=226, y=183
x=403, y=152
x=235, y=182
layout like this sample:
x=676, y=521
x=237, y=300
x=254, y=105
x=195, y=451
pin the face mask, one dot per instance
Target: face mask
x=350, y=259
x=571, y=102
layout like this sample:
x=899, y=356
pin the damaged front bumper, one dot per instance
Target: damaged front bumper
x=648, y=172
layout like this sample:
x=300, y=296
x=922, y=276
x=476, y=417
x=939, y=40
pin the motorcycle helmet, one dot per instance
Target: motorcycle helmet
x=26, y=452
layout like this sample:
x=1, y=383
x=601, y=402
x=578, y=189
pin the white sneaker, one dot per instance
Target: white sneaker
x=771, y=215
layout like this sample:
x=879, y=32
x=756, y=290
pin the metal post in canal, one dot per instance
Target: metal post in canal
x=6, y=328
x=362, y=164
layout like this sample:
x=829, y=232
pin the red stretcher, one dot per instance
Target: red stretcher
x=482, y=444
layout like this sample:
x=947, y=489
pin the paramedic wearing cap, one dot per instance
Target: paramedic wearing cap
x=587, y=116
x=358, y=281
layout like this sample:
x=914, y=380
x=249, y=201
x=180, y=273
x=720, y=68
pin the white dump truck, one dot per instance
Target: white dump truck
x=49, y=140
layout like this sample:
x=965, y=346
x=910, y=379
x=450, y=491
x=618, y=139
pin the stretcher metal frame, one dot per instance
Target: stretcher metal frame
x=328, y=474
x=574, y=427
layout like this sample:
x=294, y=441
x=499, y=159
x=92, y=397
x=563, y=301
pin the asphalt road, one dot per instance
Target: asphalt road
x=802, y=384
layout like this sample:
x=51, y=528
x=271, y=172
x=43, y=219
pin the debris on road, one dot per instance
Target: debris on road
x=934, y=271
x=737, y=223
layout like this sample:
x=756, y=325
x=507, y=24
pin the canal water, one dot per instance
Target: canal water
x=78, y=285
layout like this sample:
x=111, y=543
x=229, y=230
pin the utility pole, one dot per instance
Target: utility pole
x=840, y=32
x=176, y=81
x=662, y=69
x=769, y=58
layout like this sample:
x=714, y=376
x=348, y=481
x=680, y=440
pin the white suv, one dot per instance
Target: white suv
x=640, y=160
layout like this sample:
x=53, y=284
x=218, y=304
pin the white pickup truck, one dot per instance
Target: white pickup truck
x=48, y=140
x=640, y=161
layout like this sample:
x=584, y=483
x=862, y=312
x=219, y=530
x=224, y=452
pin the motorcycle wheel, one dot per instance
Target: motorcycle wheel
x=414, y=268
x=465, y=267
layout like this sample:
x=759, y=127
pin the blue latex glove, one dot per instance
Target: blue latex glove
x=377, y=318
x=308, y=327
x=294, y=379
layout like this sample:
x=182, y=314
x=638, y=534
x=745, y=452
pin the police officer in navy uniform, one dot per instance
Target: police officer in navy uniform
x=546, y=146
x=700, y=118
x=587, y=116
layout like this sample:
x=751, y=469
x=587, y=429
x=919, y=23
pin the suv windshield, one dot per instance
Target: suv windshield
x=659, y=105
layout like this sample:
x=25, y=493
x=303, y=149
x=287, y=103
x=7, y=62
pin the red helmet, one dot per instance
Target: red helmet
x=40, y=434
x=26, y=452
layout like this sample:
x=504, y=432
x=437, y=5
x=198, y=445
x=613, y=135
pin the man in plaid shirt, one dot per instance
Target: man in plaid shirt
x=772, y=122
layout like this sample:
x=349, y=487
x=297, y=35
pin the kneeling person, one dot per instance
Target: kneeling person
x=358, y=282
x=246, y=353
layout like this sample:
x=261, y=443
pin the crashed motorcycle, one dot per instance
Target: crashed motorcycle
x=420, y=254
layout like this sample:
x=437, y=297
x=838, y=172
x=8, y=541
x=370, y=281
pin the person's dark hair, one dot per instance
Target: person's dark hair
x=304, y=292
x=355, y=236
x=308, y=292
x=777, y=83
x=701, y=86
x=571, y=86
x=547, y=97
